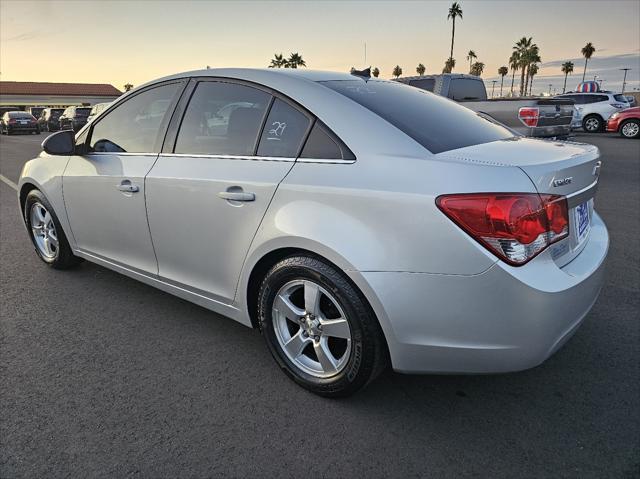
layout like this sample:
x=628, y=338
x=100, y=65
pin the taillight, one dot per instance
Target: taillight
x=513, y=226
x=529, y=116
x=12, y=121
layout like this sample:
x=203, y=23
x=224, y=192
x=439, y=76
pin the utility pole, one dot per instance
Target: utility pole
x=550, y=89
x=365, y=55
x=624, y=82
x=493, y=86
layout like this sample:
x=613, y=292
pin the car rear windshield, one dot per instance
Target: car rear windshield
x=57, y=112
x=435, y=122
x=82, y=111
x=19, y=114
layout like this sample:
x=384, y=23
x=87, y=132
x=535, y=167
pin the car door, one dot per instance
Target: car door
x=207, y=194
x=104, y=190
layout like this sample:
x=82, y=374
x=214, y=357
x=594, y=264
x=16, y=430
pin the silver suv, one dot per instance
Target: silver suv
x=594, y=109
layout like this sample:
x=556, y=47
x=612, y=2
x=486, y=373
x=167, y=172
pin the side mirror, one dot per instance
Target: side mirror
x=60, y=143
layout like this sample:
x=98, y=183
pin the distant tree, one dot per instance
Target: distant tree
x=533, y=71
x=455, y=11
x=375, y=72
x=278, y=61
x=471, y=56
x=502, y=71
x=128, y=86
x=397, y=71
x=567, y=68
x=477, y=68
x=514, y=64
x=587, y=52
x=449, y=65
x=420, y=69
x=295, y=61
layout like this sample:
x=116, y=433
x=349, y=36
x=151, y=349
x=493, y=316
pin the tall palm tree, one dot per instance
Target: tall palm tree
x=397, y=71
x=128, y=86
x=420, y=69
x=502, y=71
x=533, y=71
x=375, y=72
x=477, y=68
x=514, y=64
x=455, y=11
x=532, y=58
x=449, y=65
x=471, y=56
x=521, y=47
x=587, y=52
x=278, y=61
x=295, y=61
x=567, y=67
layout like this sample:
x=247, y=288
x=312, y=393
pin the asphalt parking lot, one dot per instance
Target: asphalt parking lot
x=102, y=376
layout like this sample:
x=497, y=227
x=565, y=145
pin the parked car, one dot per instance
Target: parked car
x=96, y=110
x=49, y=119
x=536, y=117
x=36, y=111
x=596, y=107
x=17, y=122
x=74, y=118
x=353, y=221
x=627, y=122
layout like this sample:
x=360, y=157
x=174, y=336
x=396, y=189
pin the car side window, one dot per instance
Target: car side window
x=284, y=131
x=222, y=119
x=321, y=145
x=133, y=126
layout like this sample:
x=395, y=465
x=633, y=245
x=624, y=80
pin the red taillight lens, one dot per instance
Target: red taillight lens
x=515, y=227
x=529, y=116
x=12, y=121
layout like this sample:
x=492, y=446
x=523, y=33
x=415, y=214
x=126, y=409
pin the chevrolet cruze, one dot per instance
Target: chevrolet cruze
x=358, y=223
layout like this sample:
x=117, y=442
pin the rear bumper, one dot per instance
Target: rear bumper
x=505, y=319
x=21, y=128
x=549, y=131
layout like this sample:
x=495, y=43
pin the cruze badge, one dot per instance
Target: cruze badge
x=563, y=181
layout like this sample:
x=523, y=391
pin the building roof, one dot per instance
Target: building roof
x=62, y=89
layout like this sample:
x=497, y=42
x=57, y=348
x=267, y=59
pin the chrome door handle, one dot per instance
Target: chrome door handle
x=237, y=196
x=128, y=187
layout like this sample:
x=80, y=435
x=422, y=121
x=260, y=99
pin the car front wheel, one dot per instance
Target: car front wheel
x=630, y=129
x=319, y=328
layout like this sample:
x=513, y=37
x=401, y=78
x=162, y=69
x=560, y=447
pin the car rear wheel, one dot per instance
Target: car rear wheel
x=592, y=124
x=319, y=328
x=630, y=129
x=46, y=233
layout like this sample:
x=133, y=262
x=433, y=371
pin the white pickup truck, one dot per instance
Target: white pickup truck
x=536, y=117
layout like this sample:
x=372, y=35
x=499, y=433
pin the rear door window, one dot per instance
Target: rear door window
x=284, y=131
x=435, y=122
x=222, y=119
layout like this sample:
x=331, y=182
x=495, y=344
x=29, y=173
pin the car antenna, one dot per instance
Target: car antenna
x=366, y=73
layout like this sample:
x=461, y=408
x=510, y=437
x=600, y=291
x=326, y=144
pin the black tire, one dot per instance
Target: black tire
x=629, y=123
x=64, y=257
x=368, y=355
x=593, y=124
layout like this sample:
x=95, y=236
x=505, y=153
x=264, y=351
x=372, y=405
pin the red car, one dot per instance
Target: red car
x=627, y=122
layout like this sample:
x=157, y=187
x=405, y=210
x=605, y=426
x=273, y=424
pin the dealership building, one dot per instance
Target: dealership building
x=23, y=95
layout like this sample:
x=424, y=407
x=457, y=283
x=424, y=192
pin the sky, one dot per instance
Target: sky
x=123, y=41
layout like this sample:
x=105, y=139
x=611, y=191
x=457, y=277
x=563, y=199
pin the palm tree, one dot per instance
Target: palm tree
x=532, y=58
x=471, y=56
x=128, y=86
x=295, y=61
x=448, y=65
x=278, y=61
x=397, y=71
x=454, y=11
x=567, y=67
x=514, y=64
x=533, y=71
x=477, y=68
x=375, y=72
x=521, y=48
x=502, y=71
x=587, y=51
x=420, y=69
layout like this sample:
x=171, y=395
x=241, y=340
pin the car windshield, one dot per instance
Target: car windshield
x=621, y=98
x=82, y=111
x=435, y=122
x=19, y=114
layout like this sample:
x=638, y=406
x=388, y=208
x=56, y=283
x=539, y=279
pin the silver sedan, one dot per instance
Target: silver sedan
x=358, y=223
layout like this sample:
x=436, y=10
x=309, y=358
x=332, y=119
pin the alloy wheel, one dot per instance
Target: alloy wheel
x=43, y=230
x=592, y=124
x=311, y=328
x=630, y=130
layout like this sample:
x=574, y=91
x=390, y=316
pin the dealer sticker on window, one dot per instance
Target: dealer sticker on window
x=582, y=221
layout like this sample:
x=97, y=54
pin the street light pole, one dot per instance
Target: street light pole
x=624, y=82
x=493, y=87
x=550, y=89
